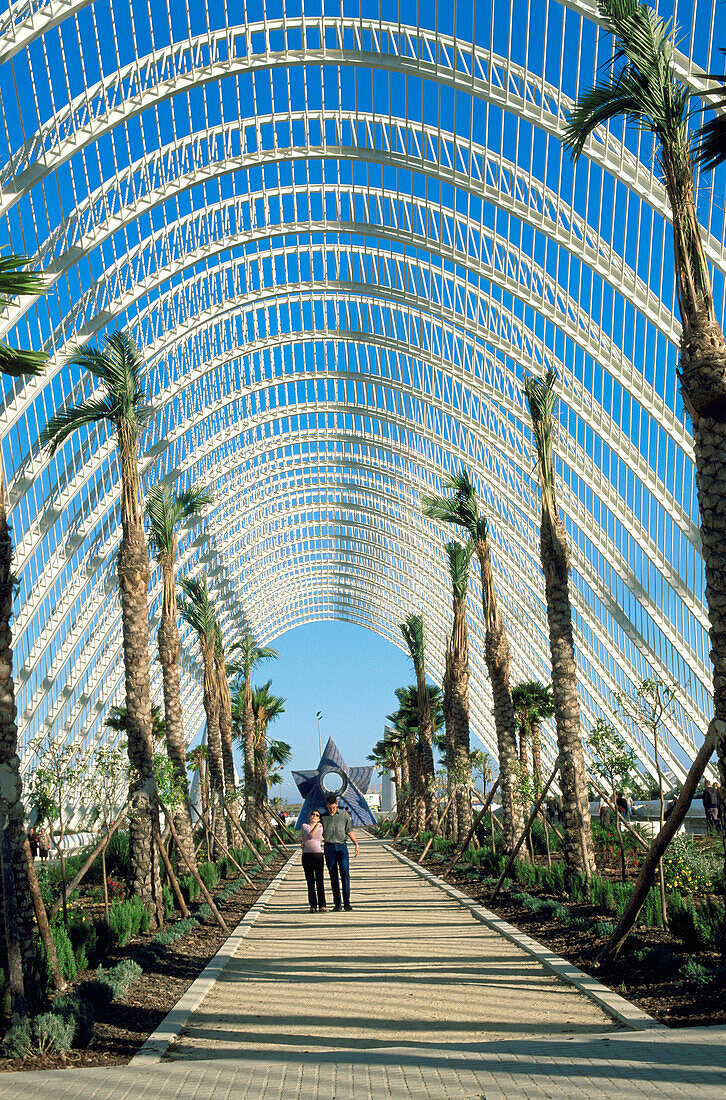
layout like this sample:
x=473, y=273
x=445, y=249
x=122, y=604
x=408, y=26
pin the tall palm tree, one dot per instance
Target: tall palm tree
x=555, y=556
x=13, y=282
x=533, y=703
x=267, y=708
x=196, y=760
x=250, y=654
x=386, y=755
x=462, y=510
x=457, y=684
x=643, y=86
x=197, y=609
x=165, y=510
x=225, y=718
x=413, y=634
x=279, y=753
x=118, y=368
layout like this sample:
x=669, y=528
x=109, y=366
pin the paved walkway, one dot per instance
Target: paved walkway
x=405, y=998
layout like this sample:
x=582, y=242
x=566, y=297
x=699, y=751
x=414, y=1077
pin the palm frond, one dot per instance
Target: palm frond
x=67, y=421
x=196, y=607
x=459, y=555
x=162, y=513
x=711, y=138
x=541, y=397
x=14, y=282
x=18, y=363
x=413, y=634
x=461, y=509
x=193, y=501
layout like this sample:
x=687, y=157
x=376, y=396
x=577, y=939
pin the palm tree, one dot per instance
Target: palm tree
x=462, y=510
x=116, y=720
x=196, y=759
x=250, y=655
x=13, y=282
x=165, y=510
x=413, y=634
x=643, y=86
x=197, y=609
x=533, y=703
x=387, y=755
x=457, y=685
x=555, y=556
x=266, y=707
x=118, y=367
x=405, y=721
x=225, y=721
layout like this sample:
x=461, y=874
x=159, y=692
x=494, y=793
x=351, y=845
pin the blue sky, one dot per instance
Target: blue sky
x=349, y=674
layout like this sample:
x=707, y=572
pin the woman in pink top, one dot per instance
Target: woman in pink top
x=311, y=840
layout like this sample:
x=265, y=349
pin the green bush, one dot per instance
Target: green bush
x=577, y=889
x=553, y=879
x=175, y=931
x=89, y=940
x=118, y=859
x=48, y=1033
x=601, y=893
x=210, y=874
x=127, y=919
x=168, y=898
x=110, y=984
x=650, y=914
x=46, y=890
x=602, y=928
x=524, y=872
x=581, y=924
x=204, y=912
x=710, y=925
x=18, y=1041
x=622, y=893
x=695, y=972
x=682, y=919
x=65, y=953
x=688, y=866
x=189, y=888
x=77, y=1009
x=555, y=909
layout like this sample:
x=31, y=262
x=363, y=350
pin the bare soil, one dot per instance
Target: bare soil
x=123, y=1026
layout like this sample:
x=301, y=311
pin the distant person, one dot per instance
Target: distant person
x=33, y=841
x=311, y=841
x=670, y=807
x=43, y=845
x=337, y=827
x=606, y=814
x=710, y=805
x=621, y=804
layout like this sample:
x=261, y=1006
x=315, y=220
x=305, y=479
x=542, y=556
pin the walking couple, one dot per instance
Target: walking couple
x=327, y=835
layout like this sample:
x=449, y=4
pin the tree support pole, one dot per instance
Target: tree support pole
x=644, y=881
x=199, y=880
x=475, y=825
x=42, y=918
x=436, y=830
x=12, y=937
x=410, y=817
x=624, y=824
x=525, y=831
x=180, y=902
x=231, y=858
x=100, y=847
x=246, y=839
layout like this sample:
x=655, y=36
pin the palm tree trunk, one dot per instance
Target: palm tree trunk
x=449, y=735
x=248, y=742
x=536, y=733
x=499, y=664
x=225, y=736
x=403, y=803
x=459, y=678
x=523, y=747
x=169, y=655
x=11, y=787
x=261, y=792
x=577, y=830
x=426, y=750
x=215, y=766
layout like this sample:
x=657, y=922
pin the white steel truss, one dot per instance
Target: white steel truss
x=341, y=238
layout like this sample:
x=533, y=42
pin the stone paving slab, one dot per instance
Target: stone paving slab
x=406, y=998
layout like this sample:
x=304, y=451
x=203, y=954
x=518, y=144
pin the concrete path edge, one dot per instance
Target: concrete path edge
x=612, y=1003
x=170, y=1027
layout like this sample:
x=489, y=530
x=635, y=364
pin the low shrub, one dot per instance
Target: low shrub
x=210, y=874
x=577, y=890
x=710, y=925
x=46, y=890
x=581, y=924
x=18, y=1041
x=175, y=931
x=168, y=899
x=118, y=859
x=622, y=893
x=650, y=914
x=602, y=928
x=65, y=953
x=189, y=888
x=110, y=984
x=48, y=1033
x=555, y=909
x=204, y=912
x=524, y=872
x=552, y=879
x=77, y=1009
x=127, y=919
x=689, y=867
x=695, y=972
x=601, y=893
x=682, y=919
x=89, y=940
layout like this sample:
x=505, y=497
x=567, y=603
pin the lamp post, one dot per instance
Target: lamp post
x=320, y=744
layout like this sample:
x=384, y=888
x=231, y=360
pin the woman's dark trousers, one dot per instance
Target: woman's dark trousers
x=313, y=867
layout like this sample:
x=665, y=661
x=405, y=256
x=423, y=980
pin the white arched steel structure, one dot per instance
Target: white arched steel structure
x=341, y=238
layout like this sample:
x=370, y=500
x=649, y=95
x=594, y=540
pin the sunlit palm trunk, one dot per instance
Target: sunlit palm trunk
x=215, y=766
x=169, y=656
x=459, y=681
x=577, y=832
x=426, y=752
x=261, y=784
x=11, y=790
x=403, y=804
x=449, y=736
x=248, y=744
x=133, y=574
x=225, y=737
x=499, y=665
x=536, y=732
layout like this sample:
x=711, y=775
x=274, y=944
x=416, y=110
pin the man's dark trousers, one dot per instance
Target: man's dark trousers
x=336, y=859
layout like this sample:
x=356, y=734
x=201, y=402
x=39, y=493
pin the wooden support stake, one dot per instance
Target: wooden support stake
x=431, y=838
x=42, y=918
x=100, y=847
x=243, y=834
x=479, y=817
x=526, y=829
x=181, y=904
x=231, y=858
x=199, y=880
x=410, y=817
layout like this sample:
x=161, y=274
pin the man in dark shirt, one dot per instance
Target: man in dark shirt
x=710, y=805
x=337, y=827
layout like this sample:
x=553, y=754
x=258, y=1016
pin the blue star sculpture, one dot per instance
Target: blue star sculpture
x=350, y=784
